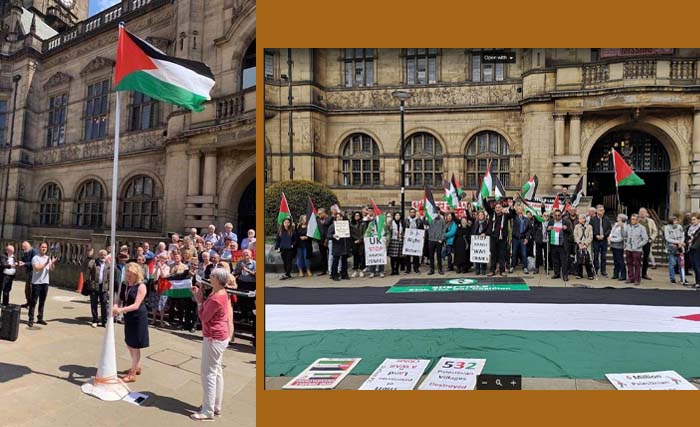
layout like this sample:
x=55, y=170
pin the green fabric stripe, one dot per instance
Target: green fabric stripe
x=281, y=217
x=631, y=179
x=178, y=293
x=147, y=84
x=540, y=354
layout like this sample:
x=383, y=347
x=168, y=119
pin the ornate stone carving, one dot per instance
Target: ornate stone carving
x=57, y=79
x=97, y=64
x=424, y=97
x=159, y=42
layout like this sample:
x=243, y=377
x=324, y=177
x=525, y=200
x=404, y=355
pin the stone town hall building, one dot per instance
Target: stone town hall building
x=553, y=112
x=177, y=169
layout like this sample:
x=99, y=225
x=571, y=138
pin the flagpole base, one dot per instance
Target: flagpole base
x=109, y=390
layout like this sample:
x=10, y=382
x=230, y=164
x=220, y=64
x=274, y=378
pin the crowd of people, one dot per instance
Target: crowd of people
x=570, y=241
x=209, y=260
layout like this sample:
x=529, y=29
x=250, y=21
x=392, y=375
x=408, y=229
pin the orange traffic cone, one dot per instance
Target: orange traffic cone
x=80, y=283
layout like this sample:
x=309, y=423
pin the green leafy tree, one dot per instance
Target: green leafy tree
x=297, y=193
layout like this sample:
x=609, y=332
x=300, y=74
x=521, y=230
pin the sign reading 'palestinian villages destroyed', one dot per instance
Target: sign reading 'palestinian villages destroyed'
x=413, y=242
x=375, y=251
x=662, y=380
x=324, y=373
x=479, y=250
x=453, y=374
x=396, y=374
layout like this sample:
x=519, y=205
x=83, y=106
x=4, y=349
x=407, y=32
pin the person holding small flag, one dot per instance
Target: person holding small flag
x=498, y=232
x=375, y=228
x=559, y=229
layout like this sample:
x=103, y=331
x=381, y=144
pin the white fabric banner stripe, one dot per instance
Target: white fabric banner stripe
x=183, y=77
x=494, y=316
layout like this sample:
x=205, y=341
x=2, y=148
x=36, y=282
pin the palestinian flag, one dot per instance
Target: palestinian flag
x=284, y=210
x=143, y=68
x=451, y=196
x=578, y=192
x=537, y=214
x=151, y=267
x=498, y=189
x=431, y=209
x=475, y=201
x=175, y=288
x=486, y=185
x=376, y=227
x=556, y=235
x=530, y=188
x=545, y=332
x=455, y=184
x=555, y=205
x=624, y=175
x=312, y=229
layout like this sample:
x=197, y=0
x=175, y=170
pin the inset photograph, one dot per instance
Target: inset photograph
x=461, y=219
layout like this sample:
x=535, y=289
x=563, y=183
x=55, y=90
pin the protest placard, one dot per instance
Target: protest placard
x=661, y=380
x=479, y=250
x=324, y=373
x=342, y=229
x=453, y=374
x=396, y=374
x=375, y=251
x=413, y=240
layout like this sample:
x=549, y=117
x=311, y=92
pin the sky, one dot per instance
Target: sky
x=100, y=5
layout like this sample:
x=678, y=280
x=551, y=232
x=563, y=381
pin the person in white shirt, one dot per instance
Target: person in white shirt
x=211, y=235
x=41, y=265
x=9, y=264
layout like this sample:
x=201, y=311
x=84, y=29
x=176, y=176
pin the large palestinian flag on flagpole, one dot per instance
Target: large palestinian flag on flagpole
x=284, y=212
x=144, y=68
x=543, y=333
x=624, y=175
x=429, y=205
x=312, y=229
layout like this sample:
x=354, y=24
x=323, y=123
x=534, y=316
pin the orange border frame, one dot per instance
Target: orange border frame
x=388, y=23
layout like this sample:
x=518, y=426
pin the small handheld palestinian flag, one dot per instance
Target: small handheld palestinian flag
x=530, y=188
x=376, y=227
x=578, y=192
x=284, y=210
x=535, y=213
x=624, y=175
x=172, y=288
x=312, y=229
x=498, y=189
x=555, y=205
x=144, y=68
x=431, y=209
x=451, y=196
x=486, y=185
x=460, y=193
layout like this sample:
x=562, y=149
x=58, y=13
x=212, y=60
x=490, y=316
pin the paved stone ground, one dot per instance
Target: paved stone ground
x=41, y=373
x=659, y=280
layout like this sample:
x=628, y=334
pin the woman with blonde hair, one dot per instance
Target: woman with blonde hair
x=135, y=317
x=216, y=315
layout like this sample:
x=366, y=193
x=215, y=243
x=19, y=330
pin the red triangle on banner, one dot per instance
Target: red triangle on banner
x=693, y=317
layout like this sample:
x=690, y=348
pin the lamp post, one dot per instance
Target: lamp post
x=290, y=98
x=402, y=96
x=16, y=78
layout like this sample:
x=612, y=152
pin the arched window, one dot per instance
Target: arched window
x=485, y=146
x=90, y=205
x=50, y=205
x=140, y=204
x=424, y=162
x=248, y=74
x=360, y=160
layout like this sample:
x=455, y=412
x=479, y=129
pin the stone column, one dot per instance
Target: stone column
x=209, y=188
x=696, y=133
x=194, y=173
x=559, y=133
x=575, y=134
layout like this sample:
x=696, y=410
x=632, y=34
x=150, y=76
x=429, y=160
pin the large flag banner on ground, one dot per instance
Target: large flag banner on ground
x=312, y=229
x=284, y=210
x=624, y=175
x=479, y=250
x=662, y=380
x=375, y=251
x=530, y=188
x=143, y=68
x=396, y=374
x=324, y=373
x=453, y=374
x=660, y=327
x=413, y=240
x=429, y=206
x=175, y=288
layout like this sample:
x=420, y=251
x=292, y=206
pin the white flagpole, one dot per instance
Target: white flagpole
x=106, y=385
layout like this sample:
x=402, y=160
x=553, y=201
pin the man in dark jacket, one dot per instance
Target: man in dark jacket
x=28, y=253
x=436, y=238
x=98, y=285
x=601, y=230
x=9, y=263
x=539, y=237
x=498, y=232
x=521, y=234
x=413, y=221
x=324, y=221
x=559, y=230
x=340, y=249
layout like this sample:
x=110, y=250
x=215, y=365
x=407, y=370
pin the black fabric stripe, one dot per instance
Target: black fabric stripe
x=378, y=295
x=197, y=67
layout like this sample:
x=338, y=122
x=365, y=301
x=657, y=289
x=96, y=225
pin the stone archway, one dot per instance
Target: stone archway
x=233, y=193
